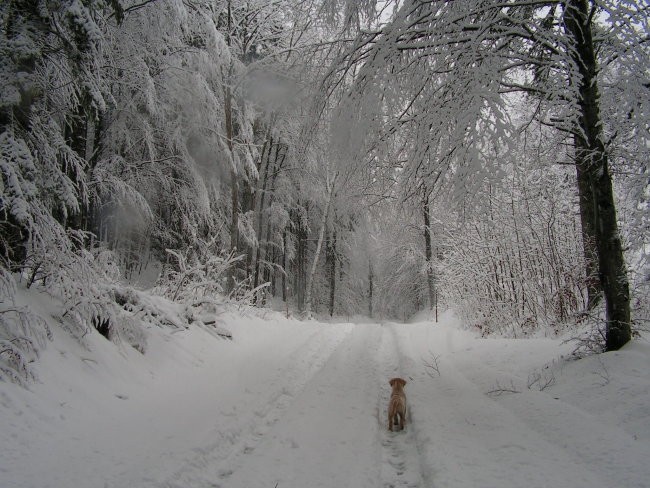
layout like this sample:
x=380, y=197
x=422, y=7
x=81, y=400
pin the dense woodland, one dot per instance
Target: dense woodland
x=336, y=157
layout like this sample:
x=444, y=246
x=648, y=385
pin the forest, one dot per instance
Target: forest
x=324, y=158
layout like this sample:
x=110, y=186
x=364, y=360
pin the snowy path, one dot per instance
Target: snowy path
x=331, y=431
x=527, y=439
x=401, y=465
x=303, y=405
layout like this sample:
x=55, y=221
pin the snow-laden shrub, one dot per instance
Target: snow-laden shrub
x=198, y=277
x=591, y=337
x=86, y=282
x=197, y=274
x=640, y=294
x=22, y=334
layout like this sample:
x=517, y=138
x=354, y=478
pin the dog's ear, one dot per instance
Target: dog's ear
x=392, y=382
x=403, y=382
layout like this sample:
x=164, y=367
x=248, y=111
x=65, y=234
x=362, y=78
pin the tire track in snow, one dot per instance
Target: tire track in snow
x=401, y=464
x=329, y=436
x=473, y=440
x=210, y=466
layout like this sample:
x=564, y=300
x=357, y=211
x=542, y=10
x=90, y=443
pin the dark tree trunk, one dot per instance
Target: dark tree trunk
x=331, y=258
x=272, y=271
x=266, y=274
x=234, y=177
x=588, y=223
x=331, y=184
x=299, y=277
x=427, y=250
x=269, y=246
x=370, y=287
x=260, y=210
x=285, y=263
x=77, y=136
x=247, y=205
x=591, y=155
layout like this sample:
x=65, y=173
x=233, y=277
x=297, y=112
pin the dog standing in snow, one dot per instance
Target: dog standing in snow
x=397, y=405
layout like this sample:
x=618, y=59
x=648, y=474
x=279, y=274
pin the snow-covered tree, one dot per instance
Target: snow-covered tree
x=450, y=65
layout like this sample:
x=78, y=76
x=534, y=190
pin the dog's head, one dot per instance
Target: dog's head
x=397, y=382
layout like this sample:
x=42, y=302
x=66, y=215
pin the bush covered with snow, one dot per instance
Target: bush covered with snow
x=22, y=334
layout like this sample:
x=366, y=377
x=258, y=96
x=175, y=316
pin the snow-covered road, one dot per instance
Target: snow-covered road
x=331, y=431
x=468, y=437
x=303, y=405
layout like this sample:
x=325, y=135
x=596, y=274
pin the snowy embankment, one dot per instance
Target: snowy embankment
x=295, y=404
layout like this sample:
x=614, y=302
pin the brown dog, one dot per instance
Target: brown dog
x=397, y=404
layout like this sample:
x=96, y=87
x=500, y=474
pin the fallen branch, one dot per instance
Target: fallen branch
x=500, y=390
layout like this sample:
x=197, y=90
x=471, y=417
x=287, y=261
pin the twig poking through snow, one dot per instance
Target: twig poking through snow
x=500, y=390
x=590, y=341
x=431, y=365
x=540, y=381
x=604, y=374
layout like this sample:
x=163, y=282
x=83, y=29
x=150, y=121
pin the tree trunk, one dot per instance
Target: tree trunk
x=234, y=178
x=331, y=257
x=299, y=278
x=588, y=225
x=427, y=250
x=272, y=271
x=271, y=247
x=591, y=155
x=370, y=287
x=319, y=245
x=285, y=291
x=234, y=181
x=80, y=133
x=260, y=207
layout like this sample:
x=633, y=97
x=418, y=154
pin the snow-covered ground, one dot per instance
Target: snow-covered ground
x=303, y=404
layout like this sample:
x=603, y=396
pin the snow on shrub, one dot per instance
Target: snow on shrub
x=22, y=335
